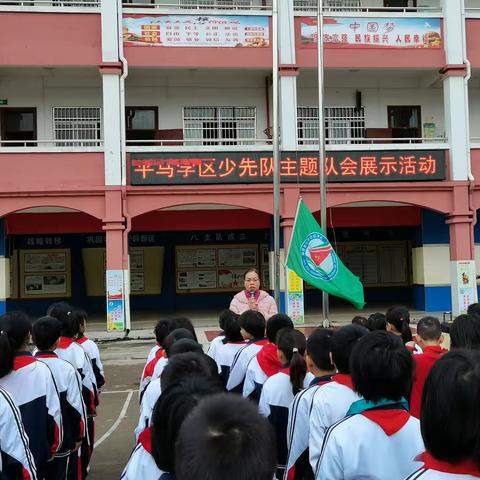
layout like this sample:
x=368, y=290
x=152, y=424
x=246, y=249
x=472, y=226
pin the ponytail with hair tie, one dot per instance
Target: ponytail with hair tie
x=292, y=344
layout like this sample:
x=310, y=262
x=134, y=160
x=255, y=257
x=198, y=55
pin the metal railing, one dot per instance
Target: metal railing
x=370, y=141
x=233, y=5
x=194, y=143
x=359, y=7
x=51, y=3
x=70, y=143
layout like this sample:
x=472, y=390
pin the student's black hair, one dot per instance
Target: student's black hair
x=377, y=321
x=224, y=316
x=62, y=311
x=276, y=323
x=474, y=309
x=174, y=336
x=162, y=329
x=359, y=320
x=292, y=343
x=225, y=438
x=171, y=409
x=252, y=322
x=343, y=341
x=381, y=367
x=399, y=317
x=78, y=316
x=184, y=345
x=231, y=330
x=183, y=322
x=182, y=365
x=465, y=332
x=14, y=329
x=450, y=418
x=319, y=346
x=429, y=328
x=45, y=332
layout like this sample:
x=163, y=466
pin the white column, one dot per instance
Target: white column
x=288, y=83
x=455, y=90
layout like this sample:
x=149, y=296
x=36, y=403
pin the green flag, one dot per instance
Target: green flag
x=312, y=258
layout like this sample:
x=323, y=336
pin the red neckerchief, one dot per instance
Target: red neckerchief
x=258, y=341
x=22, y=359
x=390, y=421
x=160, y=353
x=466, y=467
x=343, y=379
x=64, y=342
x=82, y=340
x=285, y=370
x=268, y=360
x=256, y=295
x=145, y=438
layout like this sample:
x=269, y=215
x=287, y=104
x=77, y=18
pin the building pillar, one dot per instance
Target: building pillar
x=288, y=73
x=455, y=90
x=117, y=272
x=4, y=269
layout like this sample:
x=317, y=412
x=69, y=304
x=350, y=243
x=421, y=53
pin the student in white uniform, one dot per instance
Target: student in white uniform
x=331, y=402
x=31, y=385
x=278, y=391
x=224, y=316
x=17, y=459
x=228, y=347
x=46, y=332
x=450, y=419
x=265, y=363
x=225, y=438
x=154, y=456
x=252, y=325
x=317, y=356
x=378, y=439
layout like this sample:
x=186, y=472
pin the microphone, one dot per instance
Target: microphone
x=252, y=294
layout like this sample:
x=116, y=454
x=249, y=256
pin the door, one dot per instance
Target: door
x=405, y=121
x=141, y=125
x=18, y=124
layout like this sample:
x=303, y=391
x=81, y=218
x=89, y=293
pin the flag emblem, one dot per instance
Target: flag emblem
x=318, y=257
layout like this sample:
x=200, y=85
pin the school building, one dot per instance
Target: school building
x=136, y=148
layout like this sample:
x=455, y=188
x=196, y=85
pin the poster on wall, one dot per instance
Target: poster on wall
x=295, y=299
x=115, y=301
x=195, y=280
x=45, y=273
x=373, y=32
x=236, y=257
x=231, y=278
x=196, y=31
x=466, y=286
x=196, y=258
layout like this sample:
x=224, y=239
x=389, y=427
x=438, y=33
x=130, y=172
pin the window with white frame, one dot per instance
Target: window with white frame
x=77, y=126
x=343, y=125
x=332, y=5
x=219, y=125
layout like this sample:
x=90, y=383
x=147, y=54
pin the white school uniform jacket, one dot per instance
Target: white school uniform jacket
x=141, y=465
x=298, y=429
x=155, y=354
x=212, y=349
x=275, y=399
x=16, y=459
x=225, y=353
x=240, y=363
x=73, y=353
x=159, y=366
x=374, y=445
x=149, y=399
x=330, y=404
x=69, y=386
x=434, y=469
x=262, y=366
x=93, y=353
x=32, y=387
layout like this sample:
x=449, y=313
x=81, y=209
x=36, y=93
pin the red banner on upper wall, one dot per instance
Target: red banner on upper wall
x=373, y=32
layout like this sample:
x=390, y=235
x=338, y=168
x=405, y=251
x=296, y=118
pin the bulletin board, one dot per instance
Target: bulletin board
x=213, y=268
x=146, y=270
x=45, y=273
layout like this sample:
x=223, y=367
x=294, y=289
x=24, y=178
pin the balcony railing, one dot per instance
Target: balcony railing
x=255, y=5
x=350, y=142
x=356, y=6
x=27, y=4
x=75, y=144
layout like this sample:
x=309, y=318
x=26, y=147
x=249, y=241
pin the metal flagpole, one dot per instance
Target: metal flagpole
x=276, y=154
x=321, y=147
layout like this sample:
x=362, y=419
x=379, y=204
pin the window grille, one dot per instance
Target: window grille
x=347, y=124
x=331, y=5
x=214, y=3
x=81, y=125
x=219, y=125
